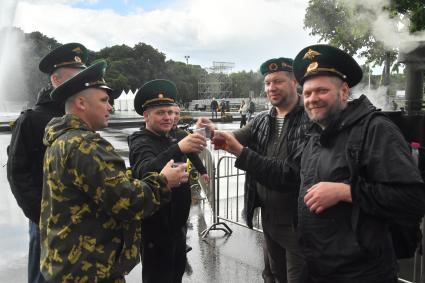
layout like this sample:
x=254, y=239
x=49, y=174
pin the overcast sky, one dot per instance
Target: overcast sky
x=245, y=32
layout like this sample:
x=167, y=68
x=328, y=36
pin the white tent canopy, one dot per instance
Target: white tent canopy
x=126, y=101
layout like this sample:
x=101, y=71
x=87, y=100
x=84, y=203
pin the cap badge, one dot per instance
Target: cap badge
x=311, y=54
x=284, y=65
x=273, y=67
x=160, y=95
x=77, y=59
x=312, y=67
x=77, y=50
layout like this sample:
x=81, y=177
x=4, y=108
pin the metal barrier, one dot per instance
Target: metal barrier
x=212, y=194
x=227, y=193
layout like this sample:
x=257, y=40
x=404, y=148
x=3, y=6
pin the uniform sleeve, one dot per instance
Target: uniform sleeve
x=144, y=157
x=196, y=161
x=275, y=174
x=391, y=186
x=100, y=172
x=19, y=170
x=193, y=157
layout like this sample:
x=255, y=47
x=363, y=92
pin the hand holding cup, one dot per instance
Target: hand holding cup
x=193, y=143
x=175, y=174
x=227, y=141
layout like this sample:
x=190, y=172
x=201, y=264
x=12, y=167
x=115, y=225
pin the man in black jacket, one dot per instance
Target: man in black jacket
x=26, y=150
x=163, y=234
x=277, y=133
x=343, y=219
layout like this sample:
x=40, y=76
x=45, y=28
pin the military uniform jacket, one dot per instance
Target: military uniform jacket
x=91, y=208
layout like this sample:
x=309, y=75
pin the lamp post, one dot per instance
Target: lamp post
x=187, y=59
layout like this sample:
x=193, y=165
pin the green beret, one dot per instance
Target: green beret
x=155, y=93
x=322, y=59
x=276, y=65
x=71, y=55
x=92, y=77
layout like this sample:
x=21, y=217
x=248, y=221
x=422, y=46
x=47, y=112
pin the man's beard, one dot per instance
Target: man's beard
x=331, y=115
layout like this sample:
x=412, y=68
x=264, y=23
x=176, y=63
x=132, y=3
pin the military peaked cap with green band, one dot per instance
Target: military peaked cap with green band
x=322, y=59
x=92, y=77
x=71, y=55
x=276, y=65
x=155, y=93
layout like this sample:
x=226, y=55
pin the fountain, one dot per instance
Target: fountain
x=13, y=89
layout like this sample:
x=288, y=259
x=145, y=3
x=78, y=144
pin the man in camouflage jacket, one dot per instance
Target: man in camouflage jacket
x=91, y=208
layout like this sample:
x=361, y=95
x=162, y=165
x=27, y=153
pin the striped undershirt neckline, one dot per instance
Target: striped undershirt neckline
x=279, y=125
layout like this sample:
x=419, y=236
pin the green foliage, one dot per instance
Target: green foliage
x=340, y=25
x=414, y=10
x=227, y=118
x=344, y=24
x=131, y=67
x=244, y=82
x=186, y=78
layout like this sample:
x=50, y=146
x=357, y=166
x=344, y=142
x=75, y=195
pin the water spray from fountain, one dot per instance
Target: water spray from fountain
x=13, y=88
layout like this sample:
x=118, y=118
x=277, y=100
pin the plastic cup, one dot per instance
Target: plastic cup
x=201, y=131
x=219, y=143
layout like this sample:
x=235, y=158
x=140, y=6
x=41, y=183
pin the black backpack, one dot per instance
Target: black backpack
x=406, y=238
x=251, y=107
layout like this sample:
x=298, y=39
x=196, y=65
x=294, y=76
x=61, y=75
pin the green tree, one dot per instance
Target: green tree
x=186, y=77
x=338, y=23
x=246, y=82
x=413, y=9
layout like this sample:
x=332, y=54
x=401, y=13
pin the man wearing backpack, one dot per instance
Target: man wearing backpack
x=26, y=150
x=344, y=213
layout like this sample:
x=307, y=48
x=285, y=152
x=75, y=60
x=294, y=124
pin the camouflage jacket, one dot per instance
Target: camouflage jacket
x=91, y=207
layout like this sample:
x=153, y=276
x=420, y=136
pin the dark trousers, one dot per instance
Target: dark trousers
x=243, y=120
x=34, y=273
x=284, y=255
x=213, y=112
x=164, y=258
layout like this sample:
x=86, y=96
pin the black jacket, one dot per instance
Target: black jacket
x=26, y=152
x=150, y=152
x=214, y=105
x=257, y=166
x=336, y=248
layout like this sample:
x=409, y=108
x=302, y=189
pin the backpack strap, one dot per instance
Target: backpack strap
x=353, y=152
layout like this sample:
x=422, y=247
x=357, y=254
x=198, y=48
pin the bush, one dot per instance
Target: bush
x=185, y=117
x=227, y=118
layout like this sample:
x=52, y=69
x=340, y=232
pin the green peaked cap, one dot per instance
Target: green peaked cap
x=70, y=55
x=326, y=60
x=158, y=92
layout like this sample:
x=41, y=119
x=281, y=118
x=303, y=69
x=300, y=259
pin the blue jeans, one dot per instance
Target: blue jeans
x=34, y=274
x=213, y=112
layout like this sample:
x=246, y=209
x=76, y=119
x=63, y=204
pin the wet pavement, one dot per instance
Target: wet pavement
x=217, y=258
